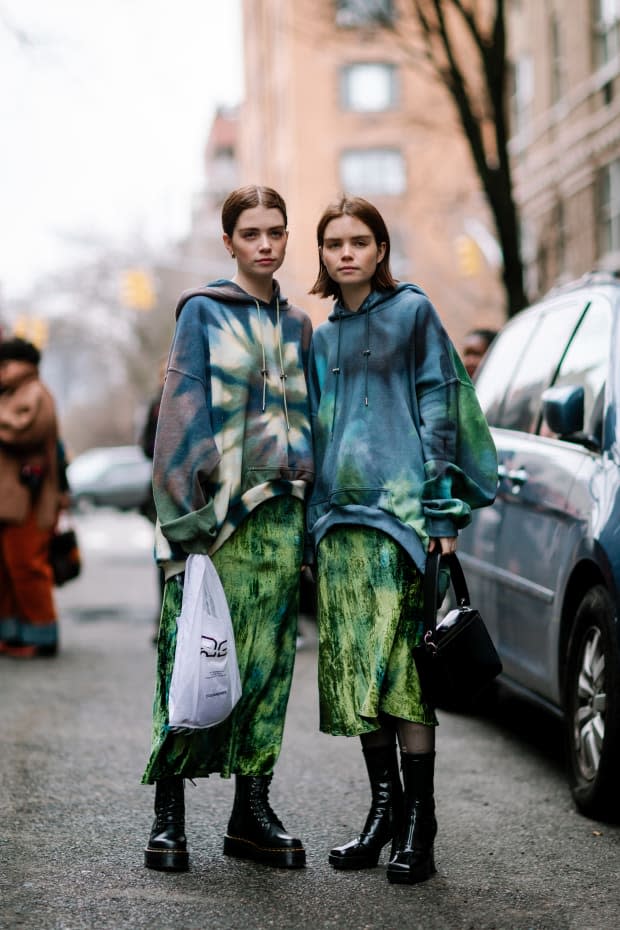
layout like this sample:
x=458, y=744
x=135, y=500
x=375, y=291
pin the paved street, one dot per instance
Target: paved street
x=512, y=852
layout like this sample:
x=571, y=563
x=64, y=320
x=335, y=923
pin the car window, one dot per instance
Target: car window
x=538, y=364
x=496, y=371
x=586, y=362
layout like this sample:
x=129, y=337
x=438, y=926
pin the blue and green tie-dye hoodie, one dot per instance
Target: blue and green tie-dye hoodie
x=234, y=426
x=400, y=441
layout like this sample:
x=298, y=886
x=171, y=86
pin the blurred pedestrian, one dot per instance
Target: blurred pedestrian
x=402, y=454
x=475, y=346
x=232, y=463
x=32, y=493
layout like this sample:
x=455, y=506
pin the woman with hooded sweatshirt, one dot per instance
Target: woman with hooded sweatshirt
x=232, y=462
x=402, y=453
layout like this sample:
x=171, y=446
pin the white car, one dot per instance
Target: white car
x=114, y=476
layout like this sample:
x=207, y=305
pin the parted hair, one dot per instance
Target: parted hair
x=363, y=210
x=245, y=198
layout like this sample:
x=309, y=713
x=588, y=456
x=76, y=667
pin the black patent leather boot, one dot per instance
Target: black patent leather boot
x=254, y=831
x=363, y=852
x=413, y=860
x=166, y=849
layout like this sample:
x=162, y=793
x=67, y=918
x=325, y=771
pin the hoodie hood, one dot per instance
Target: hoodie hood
x=229, y=292
x=374, y=301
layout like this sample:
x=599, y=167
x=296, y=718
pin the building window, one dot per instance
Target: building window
x=609, y=207
x=557, y=60
x=351, y=13
x=606, y=25
x=373, y=171
x=522, y=93
x=368, y=88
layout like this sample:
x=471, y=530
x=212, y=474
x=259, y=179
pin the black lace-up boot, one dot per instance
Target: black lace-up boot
x=167, y=847
x=413, y=860
x=254, y=831
x=385, y=808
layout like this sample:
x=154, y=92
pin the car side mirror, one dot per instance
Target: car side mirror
x=563, y=411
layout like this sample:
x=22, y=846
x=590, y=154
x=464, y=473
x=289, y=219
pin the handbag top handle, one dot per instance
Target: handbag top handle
x=434, y=562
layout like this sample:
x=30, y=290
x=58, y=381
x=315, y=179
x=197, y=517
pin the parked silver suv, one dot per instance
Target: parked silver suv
x=543, y=563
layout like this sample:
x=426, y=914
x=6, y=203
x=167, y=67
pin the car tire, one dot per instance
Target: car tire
x=592, y=707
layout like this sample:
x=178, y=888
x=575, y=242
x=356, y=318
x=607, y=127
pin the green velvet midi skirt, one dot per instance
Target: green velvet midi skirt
x=369, y=614
x=259, y=567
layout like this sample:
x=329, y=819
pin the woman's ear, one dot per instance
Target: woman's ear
x=228, y=244
x=380, y=252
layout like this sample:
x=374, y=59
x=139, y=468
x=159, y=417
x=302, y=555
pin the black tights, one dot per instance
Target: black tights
x=412, y=737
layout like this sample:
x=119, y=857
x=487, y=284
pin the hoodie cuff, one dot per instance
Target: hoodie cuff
x=438, y=528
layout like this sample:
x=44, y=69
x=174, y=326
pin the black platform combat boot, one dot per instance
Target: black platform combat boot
x=385, y=809
x=413, y=860
x=254, y=831
x=167, y=846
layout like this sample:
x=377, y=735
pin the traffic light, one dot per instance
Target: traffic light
x=137, y=289
x=33, y=328
x=468, y=255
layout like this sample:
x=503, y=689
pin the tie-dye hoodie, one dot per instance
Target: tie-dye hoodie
x=234, y=426
x=400, y=441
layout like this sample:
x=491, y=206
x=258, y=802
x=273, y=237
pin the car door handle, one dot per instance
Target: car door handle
x=517, y=475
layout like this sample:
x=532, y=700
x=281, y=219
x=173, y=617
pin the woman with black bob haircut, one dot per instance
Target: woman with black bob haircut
x=402, y=454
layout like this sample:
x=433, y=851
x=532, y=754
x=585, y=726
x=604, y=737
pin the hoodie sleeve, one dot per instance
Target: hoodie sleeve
x=459, y=453
x=185, y=453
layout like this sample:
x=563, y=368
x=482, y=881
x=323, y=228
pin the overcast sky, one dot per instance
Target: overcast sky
x=105, y=107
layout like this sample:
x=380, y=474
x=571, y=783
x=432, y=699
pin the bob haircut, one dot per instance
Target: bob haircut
x=361, y=209
x=245, y=198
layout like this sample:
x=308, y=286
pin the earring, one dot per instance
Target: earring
x=232, y=255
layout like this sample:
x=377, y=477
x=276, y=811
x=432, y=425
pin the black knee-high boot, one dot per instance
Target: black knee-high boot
x=254, y=831
x=364, y=851
x=167, y=846
x=413, y=860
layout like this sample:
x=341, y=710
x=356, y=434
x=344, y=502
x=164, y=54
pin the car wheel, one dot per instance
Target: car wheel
x=592, y=705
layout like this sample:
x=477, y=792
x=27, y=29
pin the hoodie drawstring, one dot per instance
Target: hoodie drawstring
x=264, y=370
x=336, y=371
x=283, y=374
x=366, y=354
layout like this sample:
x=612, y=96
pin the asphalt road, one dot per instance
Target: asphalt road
x=512, y=852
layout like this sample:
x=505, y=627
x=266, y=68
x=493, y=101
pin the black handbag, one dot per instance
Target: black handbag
x=456, y=659
x=64, y=556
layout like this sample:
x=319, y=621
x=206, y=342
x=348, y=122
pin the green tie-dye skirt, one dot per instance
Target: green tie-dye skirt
x=369, y=612
x=259, y=568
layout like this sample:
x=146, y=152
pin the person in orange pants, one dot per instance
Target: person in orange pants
x=30, y=500
x=28, y=621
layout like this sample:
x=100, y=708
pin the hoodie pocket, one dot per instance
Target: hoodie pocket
x=376, y=498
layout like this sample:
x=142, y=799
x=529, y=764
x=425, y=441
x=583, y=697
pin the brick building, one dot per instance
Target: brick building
x=335, y=102
x=565, y=146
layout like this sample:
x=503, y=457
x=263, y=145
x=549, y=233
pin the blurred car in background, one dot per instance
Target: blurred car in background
x=110, y=476
x=543, y=563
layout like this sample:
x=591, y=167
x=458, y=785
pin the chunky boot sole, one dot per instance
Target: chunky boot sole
x=282, y=858
x=362, y=861
x=411, y=876
x=166, y=860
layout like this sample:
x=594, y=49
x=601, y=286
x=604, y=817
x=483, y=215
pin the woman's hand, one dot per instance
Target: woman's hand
x=447, y=544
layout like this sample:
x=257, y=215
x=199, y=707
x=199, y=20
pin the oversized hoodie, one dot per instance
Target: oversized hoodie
x=401, y=444
x=234, y=426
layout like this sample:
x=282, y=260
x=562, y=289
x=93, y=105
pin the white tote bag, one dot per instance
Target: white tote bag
x=205, y=684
